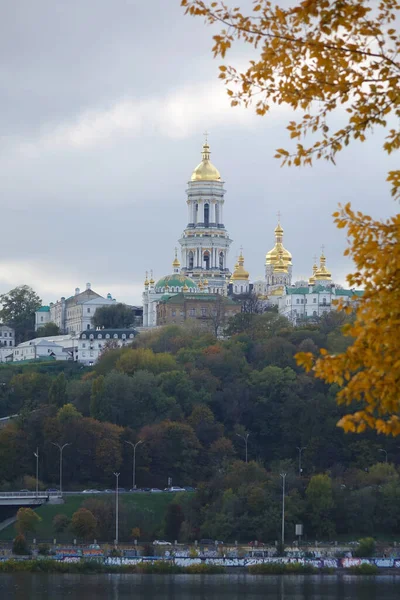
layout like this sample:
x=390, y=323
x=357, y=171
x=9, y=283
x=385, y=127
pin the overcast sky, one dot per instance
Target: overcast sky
x=103, y=105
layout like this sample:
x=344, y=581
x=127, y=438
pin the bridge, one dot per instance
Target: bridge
x=26, y=498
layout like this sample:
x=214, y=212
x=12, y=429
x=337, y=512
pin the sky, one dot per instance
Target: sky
x=103, y=106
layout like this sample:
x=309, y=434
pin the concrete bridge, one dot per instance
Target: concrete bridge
x=27, y=498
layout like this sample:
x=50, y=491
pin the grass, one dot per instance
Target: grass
x=156, y=503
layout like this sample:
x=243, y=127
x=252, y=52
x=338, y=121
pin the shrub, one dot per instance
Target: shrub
x=20, y=546
x=364, y=569
x=44, y=549
x=365, y=548
x=203, y=569
x=27, y=520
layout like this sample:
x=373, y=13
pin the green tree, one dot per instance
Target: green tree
x=68, y=413
x=320, y=504
x=83, y=524
x=58, y=391
x=27, y=521
x=48, y=330
x=60, y=522
x=20, y=546
x=18, y=308
x=114, y=316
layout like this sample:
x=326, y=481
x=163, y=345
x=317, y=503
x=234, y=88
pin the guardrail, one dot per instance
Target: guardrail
x=28, y=494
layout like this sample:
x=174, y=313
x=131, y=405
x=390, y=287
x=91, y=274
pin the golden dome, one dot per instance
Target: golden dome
x=240, y=273
x=322, y=274
x=280, y=266
x=311, y=281
x=206, y=282
x=146, y=281
x=272, y=256
x=176, y=264
x=206, y=171
x=185, y=288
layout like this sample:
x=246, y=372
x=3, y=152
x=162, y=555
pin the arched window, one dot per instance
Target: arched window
x=191, y=260
x=206, y=259
x=217, y=214
x=241, y=289
x=107, y=336
x=131, y=336
x=221, y=260
x=99, y=337
x=206, y=215
x=83, y=336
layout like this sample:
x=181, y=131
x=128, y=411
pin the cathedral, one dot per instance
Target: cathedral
x=203, y=265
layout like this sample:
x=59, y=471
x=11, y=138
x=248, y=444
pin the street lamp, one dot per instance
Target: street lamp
x=300, y=452
x=116, y=508
x=37, y=470
x=134, y=461
x=283, y=475
x=382, y=450
x=61, y=448
x=245, y=439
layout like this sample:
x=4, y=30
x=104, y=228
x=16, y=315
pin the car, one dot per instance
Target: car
x=189, y=489
x=133, y=490
x=52, y=490
x=161, y=543
x=109, y=491
x=175, y=488
x=24, y=491
x=91, y=492
x=155, y=491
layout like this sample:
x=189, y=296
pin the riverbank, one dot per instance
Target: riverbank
x=171, y=568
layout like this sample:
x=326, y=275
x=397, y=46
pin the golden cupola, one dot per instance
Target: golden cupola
x=272, y=256
x=206, y=171
x=146, y=281
x=240, y=273
x=322, y=274
x=280, y=266
x=311, y=281
x=176, y=264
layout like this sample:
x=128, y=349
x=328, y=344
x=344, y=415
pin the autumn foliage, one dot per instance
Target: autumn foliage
x=368, y=372
x=316, y=56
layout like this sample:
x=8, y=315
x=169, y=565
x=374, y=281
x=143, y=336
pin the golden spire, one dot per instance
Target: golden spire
x=206, y=171
x=146, y=281
x=176, y=264
x=272, y=256
x=152, y=282
x=322, y=274
x=240, y=273
x=185, y=288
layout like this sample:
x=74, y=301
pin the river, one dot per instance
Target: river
x=26, y=586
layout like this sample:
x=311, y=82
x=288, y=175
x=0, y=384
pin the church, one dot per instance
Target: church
x=203, y=266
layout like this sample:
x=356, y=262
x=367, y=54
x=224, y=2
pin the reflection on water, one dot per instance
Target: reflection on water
x=24, y=586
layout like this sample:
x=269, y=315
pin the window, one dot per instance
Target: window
x=192, y=312
x=87, y=326
x=324, y=301
x=123, y=336
x=206, y=215
x=131, y=335
x=83, y=345
x=83, y=353
x=173, y=313
x=297, y=301
x=206, y=258
x=314, y=313
x=115, y=336
x=191, y=260
x=217, y=214
x=302, y=301
x=203, y=311
x=107, y=336
x=41, y=319
x=99, y=337
x=88, y=310
x=83, y=336
x=221, y=260
x=314, y=300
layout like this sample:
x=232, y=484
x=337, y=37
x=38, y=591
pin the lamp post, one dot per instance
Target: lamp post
x=37, y=470
x=283, y=475
x=116, y=508
x=134, y=461
x=61, y=448
x=300, y=452
x=245, y=439
x=382, y=450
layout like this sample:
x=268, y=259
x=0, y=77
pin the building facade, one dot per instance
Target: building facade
x=7, y=343
x=210, y=311
x=74, y=314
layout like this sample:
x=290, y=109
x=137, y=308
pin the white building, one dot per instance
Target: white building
x=93, y=342
x=74, y=314
x=7, y=343
x=39, y=349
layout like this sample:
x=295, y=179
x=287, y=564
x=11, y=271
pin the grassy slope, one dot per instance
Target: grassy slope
x=156, y=503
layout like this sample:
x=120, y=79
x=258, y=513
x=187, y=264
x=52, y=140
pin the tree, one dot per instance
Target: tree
x=320, y=501
x=316, y=56
x=83, y=524
x=60, y=522
x=114, y=316
x=18, y=308
x=57, y=391
x=27, y=521
x=368, y=371
x=48, y=330
x=20, y=547
x=173, y=520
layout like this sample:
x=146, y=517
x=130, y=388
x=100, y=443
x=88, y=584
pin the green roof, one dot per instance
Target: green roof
x=175, y=280
x=43, y=309
x=320, y=289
